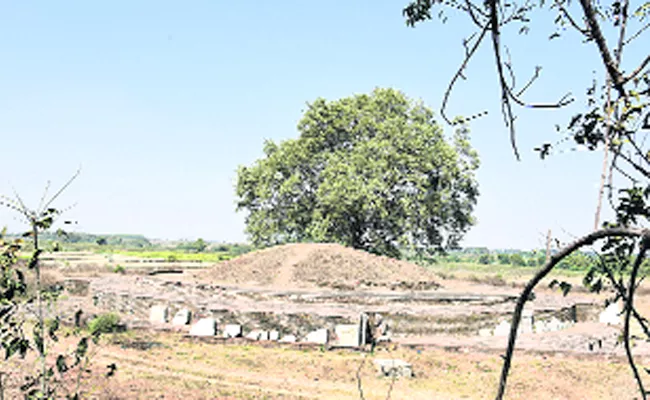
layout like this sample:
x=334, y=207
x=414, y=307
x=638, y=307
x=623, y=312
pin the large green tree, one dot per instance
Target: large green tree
x=373, y=172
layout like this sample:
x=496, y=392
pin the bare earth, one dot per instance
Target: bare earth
x=435, y=320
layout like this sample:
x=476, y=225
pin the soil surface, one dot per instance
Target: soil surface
x=321, y=265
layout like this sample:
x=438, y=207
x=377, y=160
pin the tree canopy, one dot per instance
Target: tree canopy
x=371, y=171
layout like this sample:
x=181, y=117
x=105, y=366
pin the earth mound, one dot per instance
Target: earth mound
x=323, y=265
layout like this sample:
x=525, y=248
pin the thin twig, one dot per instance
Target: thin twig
x=637, y=71
x=637, y=34
x=573, y=22
x=64, y=187
x=459, y=73
x=359, y=386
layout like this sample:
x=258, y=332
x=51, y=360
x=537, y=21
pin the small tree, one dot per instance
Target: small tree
x=15, y=299
x=503, y=258
x=485, y=259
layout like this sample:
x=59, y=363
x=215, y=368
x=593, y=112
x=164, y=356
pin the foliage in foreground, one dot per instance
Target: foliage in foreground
x=57, y=375
x=616, y=114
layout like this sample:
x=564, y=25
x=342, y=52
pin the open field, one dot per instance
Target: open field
x=436, y=316
x=178, y=368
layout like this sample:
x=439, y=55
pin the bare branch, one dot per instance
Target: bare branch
x=538, y=69
x=459, y=73
x=628, y=312
x=636, y=166
x=573, y=22
x=76, y=174
x=621, y=38
x=541, y=274
x=637, y=34
x=359, y=386
x=506, y=107
x=597, y=35
x=637, y=71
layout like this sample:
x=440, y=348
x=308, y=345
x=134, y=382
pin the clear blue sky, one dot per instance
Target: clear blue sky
x=160, y=101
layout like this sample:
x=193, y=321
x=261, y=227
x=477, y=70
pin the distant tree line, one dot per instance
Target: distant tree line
x=578, y=261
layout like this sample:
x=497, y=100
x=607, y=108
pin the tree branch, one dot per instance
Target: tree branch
x=637, y=71
x=541, y=274
x=629, y=304
x=506, y=107
x=568, y=16
x=597, y=35
x=459, y=73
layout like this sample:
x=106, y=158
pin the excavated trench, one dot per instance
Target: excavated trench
x=297, y=312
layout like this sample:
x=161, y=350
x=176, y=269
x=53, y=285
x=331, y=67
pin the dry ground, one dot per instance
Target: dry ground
x=178, y=368
x=317, y=264
x=190, y=369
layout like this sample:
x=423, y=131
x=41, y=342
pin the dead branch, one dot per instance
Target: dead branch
x=459, y=73
x=541, y=274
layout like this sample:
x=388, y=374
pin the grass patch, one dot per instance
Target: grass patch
x=172, y=256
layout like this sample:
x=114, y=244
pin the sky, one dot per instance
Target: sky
x=158, y=102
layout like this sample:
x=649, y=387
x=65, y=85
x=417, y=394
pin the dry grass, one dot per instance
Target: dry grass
x=183, y=369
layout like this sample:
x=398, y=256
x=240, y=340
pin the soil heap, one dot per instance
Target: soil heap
x=321, y=265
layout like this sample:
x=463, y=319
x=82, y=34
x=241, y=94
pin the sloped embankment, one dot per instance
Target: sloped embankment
x=321, y=265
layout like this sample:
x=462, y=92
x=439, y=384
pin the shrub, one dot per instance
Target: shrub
x=119, y=269
x=105, y=323
x=485, y=259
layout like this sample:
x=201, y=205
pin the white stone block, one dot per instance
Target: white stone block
x=182, y=317
x=204, y=327
x=485, y=332
x=503, y=329
x=289, y=339
x=347, y=335
x=274, y=336
x=158, y=314
x=255, y=334
x=232, y=331
x=611, y=315
x=554, y=325
x=319, y=336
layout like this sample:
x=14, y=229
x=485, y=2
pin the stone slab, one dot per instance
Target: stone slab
x=204, y=327
x=158, y=314
x=182, y=317
x=289, y=339
x=232, y=331
x=611, y=315
x=319, y=336
x=347, y=335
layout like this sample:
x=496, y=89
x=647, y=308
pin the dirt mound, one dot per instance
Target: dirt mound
x=311, y=264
